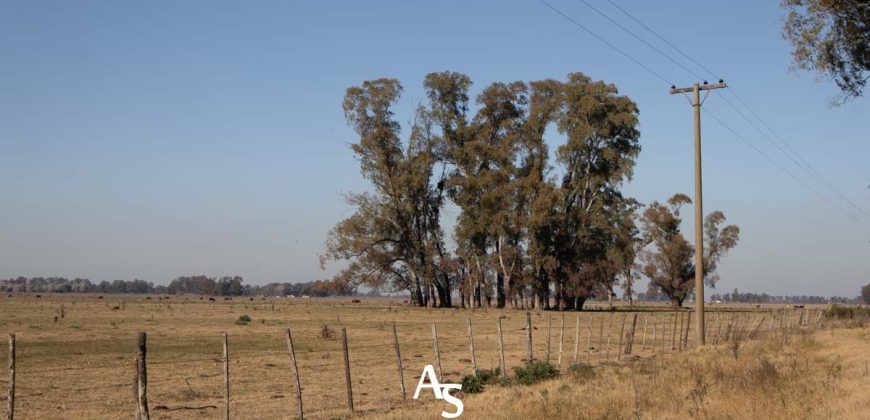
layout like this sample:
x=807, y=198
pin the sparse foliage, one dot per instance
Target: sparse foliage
x=831, y=37
x=669, y=263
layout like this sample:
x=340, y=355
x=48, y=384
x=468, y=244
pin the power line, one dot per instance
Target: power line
x=660, y=77
x=636, y=36
x=775, y=163
x=807, y=166
x=661, y=38
x=613, y=47
x=794, y=156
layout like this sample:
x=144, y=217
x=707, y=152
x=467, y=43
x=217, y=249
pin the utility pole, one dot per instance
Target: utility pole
x=699, y=210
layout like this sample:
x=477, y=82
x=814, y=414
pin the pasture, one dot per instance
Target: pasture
x=81, y=364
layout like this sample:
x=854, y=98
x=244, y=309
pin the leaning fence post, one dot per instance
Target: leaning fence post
x=680, y=335
x=501, y=365
x=529, y=336
x=621, y=332
x=10, y=399
x=142, y=378
x=630, y=338
x=295, y=369
x=686, y=332
x=471, y=348
x=347, y=379
x=437, y=353
x=226, y=378
x=399, y=360
x=609, y=337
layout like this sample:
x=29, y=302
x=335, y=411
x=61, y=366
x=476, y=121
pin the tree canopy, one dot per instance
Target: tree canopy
x=669, y=262
x=530, y=232
x=831, y=37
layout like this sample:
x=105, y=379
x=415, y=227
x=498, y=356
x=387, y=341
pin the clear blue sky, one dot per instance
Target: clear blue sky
x=157, y=139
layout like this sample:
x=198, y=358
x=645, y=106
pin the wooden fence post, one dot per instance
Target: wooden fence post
x=577, y=340
x=600, y=339
x=643, y=340
x=589, y=337
x=630, y=338
x=295, y=368
x=757, y=327
x=347, y=379
x=621, y=334
x=609, y=335
x=531, y=355
x=686, y=332
x=399, y=360
x=674, y=332
x=226, y=378
x=471, y=347
x=561, y=336
x=501, y=364
x=10, y=398
x=728, y=330
x=135, y=387
x=549, y=321
x=142, y=378
x=654, y=335
x=437, y=353
x=680, y=336
x=664, y=332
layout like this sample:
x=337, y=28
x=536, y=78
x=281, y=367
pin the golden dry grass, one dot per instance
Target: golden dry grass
x=804, y=375
x=82, y=366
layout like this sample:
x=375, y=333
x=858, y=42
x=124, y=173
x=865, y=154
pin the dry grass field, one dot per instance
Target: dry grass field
x=81, y=366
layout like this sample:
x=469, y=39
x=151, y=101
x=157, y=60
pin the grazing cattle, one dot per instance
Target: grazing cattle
x=211, y=299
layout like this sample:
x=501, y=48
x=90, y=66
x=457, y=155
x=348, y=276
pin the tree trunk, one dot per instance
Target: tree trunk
x=499, y=290
x=580, y=301
x=416, y=293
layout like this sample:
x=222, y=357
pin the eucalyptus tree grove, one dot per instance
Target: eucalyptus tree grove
x=529, y=233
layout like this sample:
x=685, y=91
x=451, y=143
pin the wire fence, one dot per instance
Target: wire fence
x=261, y=376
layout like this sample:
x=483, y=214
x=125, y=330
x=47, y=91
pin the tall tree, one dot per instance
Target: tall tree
x=598, y=157
x=865, y=294
x=831, y=37
x=669, y=265
x=392, y=239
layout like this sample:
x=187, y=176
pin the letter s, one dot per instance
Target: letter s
x=452, y=400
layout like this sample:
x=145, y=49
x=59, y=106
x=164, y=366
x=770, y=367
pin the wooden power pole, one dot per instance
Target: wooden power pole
x=699, y=210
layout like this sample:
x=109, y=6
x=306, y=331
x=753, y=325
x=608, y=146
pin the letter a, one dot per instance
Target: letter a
x=433, y=382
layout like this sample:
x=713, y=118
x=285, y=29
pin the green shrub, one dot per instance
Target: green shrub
x=472, y=384
x=245, y=318
x=535, y=372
